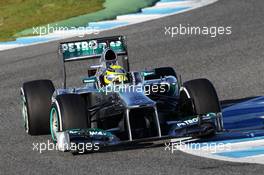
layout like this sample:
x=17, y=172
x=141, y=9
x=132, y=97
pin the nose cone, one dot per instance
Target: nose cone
x=135, y=97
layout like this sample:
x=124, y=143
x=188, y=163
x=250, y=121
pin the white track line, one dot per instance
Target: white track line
x=212, y=152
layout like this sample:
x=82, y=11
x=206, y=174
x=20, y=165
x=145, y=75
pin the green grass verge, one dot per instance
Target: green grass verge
x=17, y=15
x=112, y=8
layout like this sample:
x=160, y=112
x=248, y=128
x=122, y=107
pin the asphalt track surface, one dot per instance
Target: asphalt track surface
x=233, y=63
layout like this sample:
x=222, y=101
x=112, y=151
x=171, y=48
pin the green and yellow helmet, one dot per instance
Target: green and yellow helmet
x=115, y=74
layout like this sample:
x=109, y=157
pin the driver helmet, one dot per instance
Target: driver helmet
x=115, y=74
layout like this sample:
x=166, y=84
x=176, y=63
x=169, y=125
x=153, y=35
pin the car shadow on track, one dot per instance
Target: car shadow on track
x=161, y=143
x=126, y=147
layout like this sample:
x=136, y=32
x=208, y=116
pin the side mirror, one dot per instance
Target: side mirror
x=148, y=73
x=96, y=66
x=90, y=80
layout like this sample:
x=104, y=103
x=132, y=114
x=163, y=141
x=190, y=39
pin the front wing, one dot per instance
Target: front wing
x=94, y=139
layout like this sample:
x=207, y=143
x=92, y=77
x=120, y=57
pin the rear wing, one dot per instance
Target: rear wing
x=91, y=48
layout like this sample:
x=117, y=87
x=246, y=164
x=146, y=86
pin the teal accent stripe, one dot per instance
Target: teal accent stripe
x=51, y=124
x=243, y=153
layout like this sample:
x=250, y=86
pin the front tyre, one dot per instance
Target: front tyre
x=201, y=96
x=68, y=111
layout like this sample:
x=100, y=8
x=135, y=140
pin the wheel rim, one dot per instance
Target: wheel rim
x=24, y=111
x=184, y=95
x=54, y=124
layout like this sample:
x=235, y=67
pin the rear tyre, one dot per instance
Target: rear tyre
x=36, y=103
x=165, y=71
x=68, y=112
x=162, y=72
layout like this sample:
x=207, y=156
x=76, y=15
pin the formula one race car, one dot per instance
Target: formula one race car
x=117, y=105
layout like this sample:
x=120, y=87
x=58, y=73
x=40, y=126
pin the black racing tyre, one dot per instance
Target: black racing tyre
x=203, y=96
x=165, y=71
x=162, y=72
x=68, y=111
x=36, y=103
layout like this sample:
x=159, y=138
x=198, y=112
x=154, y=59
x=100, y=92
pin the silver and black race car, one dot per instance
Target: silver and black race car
x=150, y=104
